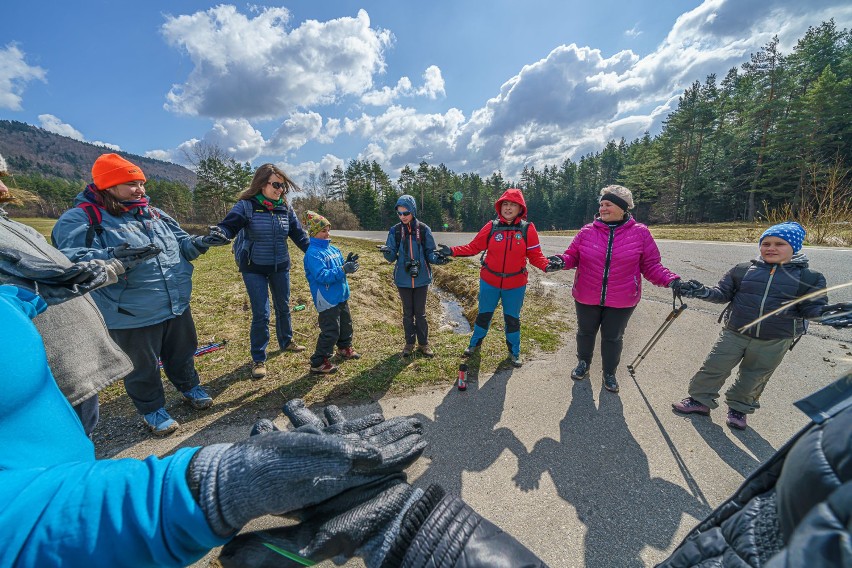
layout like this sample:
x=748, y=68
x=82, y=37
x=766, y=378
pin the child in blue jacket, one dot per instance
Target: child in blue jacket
x=326, y=272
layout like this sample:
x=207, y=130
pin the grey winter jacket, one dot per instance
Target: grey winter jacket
x=796, y=509
x=81, y=354
x=764, y=288
x=150, y=293
x=410, y=248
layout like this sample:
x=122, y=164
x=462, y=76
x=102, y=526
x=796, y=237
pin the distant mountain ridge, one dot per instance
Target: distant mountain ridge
x=32, y=150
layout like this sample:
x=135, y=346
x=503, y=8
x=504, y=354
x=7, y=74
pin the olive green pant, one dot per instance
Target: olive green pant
x=757, y=358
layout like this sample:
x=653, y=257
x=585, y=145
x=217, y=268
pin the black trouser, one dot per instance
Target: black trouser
x=414, y=314
x=335, y=329
x=612, y=322
x=173, y=341
x=88, y=411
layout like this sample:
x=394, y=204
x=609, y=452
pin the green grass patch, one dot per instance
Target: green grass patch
x=221, y=310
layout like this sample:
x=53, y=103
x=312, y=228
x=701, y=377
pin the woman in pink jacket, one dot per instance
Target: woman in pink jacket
x=611, y=255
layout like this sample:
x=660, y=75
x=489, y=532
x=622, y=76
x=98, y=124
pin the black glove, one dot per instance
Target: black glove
x=351, y=264
x=694, y=289
x=554, y=263
x=132, y=256
x=275, y=473
x=445, y=251
x=383, y=248
x=216, y=237
x=357, y=522
x=53, y=282
x=837, y=315
x=399, y=440
x=441, y=259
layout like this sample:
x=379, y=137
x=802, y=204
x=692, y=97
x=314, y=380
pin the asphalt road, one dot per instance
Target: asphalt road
x=588, y=478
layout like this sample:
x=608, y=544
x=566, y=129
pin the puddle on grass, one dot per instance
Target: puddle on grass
x=452, y=316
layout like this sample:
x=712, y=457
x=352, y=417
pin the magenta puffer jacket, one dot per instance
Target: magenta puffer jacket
x=611, y=261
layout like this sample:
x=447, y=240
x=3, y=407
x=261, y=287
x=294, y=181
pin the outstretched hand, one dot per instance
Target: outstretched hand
x=50, y=280
x=383, y=248
x=445, y=251
x=554, y=263
x=837, y=315
x=215, y=237
x=132, y=256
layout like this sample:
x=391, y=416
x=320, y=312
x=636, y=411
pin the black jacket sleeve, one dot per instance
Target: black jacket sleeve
x=445, y=527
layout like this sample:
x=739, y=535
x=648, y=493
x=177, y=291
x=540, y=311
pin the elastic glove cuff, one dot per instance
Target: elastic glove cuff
x=202, y=482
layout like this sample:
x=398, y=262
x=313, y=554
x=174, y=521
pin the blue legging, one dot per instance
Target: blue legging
x=513, y=301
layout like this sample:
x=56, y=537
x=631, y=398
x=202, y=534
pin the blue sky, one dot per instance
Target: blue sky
x=476, y=85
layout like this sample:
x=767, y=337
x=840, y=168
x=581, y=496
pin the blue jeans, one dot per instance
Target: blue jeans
x=258, y=286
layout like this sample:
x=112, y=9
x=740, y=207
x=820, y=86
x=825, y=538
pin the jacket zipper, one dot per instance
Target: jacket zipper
x=606, y=264
x=410, y=251
x=763, y=300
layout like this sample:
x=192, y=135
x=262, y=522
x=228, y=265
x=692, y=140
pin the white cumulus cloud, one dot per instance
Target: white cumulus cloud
x=432, y=87
x=15, y=73
x=256, y=67
x=54, y=124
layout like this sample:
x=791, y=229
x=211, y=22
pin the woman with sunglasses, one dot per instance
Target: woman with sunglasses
x=411, y=246
x=262, y=221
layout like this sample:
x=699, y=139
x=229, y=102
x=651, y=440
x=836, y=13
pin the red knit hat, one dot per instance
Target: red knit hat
x=110, y=170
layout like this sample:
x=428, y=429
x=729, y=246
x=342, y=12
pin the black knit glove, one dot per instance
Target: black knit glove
x=132, y=256
x=351, y=265
x=555, y=263
x=399, y=440
x=275, y=473
x=445, y=251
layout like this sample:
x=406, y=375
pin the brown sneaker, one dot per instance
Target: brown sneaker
x=258, y=370
x=348, y=353
x=408, y=350
x=294, y=347
x=426, y=350
x=325, y=368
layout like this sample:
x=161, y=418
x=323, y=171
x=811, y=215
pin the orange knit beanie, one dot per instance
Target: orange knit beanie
x=110, y=170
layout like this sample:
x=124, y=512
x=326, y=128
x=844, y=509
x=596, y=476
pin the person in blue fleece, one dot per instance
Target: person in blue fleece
x=326, y=272
x=62, y=507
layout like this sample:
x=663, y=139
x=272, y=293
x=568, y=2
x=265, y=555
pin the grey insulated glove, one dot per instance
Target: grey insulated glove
x=274, y=473
x=53, y=282
x=399, y=440
x=445, y=251
x=132, y=256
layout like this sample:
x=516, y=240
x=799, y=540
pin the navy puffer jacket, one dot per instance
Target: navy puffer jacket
x=764, y=288
x=796, y=509
x=266, y=232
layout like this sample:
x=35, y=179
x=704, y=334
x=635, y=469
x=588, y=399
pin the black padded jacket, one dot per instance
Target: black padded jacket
x=796, y=509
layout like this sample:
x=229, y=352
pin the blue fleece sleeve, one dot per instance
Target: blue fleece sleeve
x=123, y=512
x=187, y=249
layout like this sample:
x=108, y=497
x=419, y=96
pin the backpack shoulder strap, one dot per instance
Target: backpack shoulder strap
x=93, y=213
x=807, y=282
x=397, y=233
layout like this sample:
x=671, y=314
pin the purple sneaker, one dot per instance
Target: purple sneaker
x=736, y=419
x=691, y=406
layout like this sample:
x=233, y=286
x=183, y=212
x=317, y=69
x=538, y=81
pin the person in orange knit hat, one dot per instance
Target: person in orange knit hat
x=147, y=312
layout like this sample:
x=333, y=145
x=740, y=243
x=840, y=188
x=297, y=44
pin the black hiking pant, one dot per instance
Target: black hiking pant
x=612, y=322
x=414, y=322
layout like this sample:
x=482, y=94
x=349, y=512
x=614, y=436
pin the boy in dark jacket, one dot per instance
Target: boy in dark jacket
x=778, y=276
x=326, y=272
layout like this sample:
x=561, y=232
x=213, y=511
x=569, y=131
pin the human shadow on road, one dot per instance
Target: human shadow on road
x=737, y=458
x=600, y=469
x=463, y=437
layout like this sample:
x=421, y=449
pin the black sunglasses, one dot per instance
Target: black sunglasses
x=277, y=184
x=403, y=213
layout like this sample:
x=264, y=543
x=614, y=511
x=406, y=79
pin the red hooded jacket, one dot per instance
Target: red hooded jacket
x=507, y=252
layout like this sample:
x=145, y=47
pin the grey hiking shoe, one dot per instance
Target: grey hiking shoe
x=198, y=398
x=470, y=351
x=691, y=406
x=610, y=382
x=516, y=361
x=581, y=371
x=160, y=423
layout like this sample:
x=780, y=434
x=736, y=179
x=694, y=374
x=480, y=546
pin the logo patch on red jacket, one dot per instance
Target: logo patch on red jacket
x=498, y=237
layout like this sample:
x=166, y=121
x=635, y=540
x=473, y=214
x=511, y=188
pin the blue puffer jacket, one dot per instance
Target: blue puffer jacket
x=410, y=248
x=796, y=509
x=61, y=507
x=324, y=271
x=765, y=287
x=150, y=293
x=265, y=234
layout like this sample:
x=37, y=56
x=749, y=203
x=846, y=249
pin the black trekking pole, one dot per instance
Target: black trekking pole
x=676, y=311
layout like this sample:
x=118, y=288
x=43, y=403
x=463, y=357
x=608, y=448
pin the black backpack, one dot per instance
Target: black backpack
x=807, y=284
x=498, y=227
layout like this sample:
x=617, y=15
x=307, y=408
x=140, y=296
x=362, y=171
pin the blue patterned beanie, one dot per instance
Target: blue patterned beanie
x=790, y=231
